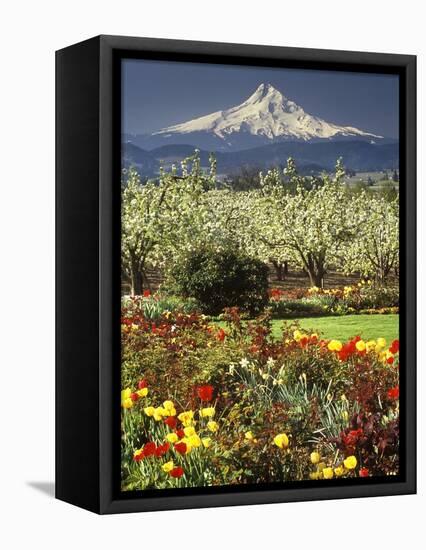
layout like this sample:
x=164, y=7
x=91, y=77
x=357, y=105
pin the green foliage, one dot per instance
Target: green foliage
x=153, y=307
x=372, y=297
x=354, y=299
x=289, y=309
x=222, y=278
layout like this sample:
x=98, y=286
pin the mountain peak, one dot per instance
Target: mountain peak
x=266, y=88
x=265, y=91
x=266, y=114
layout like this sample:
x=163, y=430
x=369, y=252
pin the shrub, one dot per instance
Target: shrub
x=222, y=278
x=290, y=309
x=373, y=297
x=361, y=298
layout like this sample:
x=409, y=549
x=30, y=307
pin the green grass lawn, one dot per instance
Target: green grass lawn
x=369, y=327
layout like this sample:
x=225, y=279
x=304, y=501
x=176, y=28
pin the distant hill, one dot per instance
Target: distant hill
x=146, y=163
x=310, y=156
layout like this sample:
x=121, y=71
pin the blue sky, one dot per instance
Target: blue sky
x=156, y=94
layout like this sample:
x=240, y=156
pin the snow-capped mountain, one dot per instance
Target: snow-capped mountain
x=266, y=116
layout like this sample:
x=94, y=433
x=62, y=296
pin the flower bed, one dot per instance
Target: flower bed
x=310, y=302
x=203, y=405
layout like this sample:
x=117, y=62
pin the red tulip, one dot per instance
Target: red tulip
x=162, y=450
x=393, y=393
x=180, y=447
x=205, y=393
x=303, y=341
x=177, y=472
x=394, y=348
x=149, y=448
x=171, y=422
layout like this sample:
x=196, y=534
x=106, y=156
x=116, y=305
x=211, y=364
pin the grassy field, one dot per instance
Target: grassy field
x=344, y=327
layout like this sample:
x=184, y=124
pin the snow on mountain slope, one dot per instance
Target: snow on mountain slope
x=267, y=113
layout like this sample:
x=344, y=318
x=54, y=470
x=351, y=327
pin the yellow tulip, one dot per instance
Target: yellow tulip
x=371, y=345
x=127, y=403
x=194, y=441
x=143, y=392
x=189, y=430
x=360, y=345
x=315, y=457
x=328, y=473
x=168, y=405
x=159, y=412
x=168, y=466
x=186, y=418
x=149, y=411
x=206, y=441
x=281, y=441
x=339, y=471
x=125, y=394
x=248, y=435
x=335, y=345
x=381, y=343
x=172, y=437
x=297, y=335
x=212, y=426
x=350, y=462
x=208, y=412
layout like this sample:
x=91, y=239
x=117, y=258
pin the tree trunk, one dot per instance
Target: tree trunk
x=136, y=282
x=316, y=271
x=281, y=269
x=316, y=278
x=278, y=270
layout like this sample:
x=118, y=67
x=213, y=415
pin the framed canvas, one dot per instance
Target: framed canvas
x=236, y=278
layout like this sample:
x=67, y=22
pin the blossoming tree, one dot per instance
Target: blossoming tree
x=158, y=217
x=310, y=226
x=375, y=250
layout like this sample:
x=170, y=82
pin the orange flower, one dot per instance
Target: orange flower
x=220, y=335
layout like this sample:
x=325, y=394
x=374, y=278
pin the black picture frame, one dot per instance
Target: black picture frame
x=88, y=272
